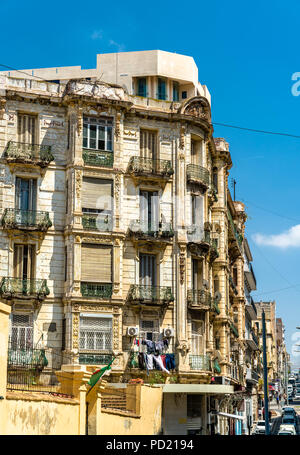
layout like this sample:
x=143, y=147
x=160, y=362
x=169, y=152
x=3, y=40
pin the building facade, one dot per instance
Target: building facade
x=120, y=238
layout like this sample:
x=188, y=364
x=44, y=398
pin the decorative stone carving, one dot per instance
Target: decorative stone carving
x=79, y=121
x=78, y=181
x=182, y=136
x=75, y=336
x=182, y=264
x=2, y=107
x=117, y=125
x=98, y=239
x=197, y=107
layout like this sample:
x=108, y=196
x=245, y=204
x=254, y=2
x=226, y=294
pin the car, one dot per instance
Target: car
x=297, y=396
x=287, y=430
x=260, y=427
x=289, y=419
x=288, y=410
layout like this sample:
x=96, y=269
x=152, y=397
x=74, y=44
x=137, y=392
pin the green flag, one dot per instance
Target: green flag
x=99, y=373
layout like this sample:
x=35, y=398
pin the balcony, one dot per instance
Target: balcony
x=252, y=376
x=23, y=288
x=232, y=285
x=200, y=362
x=249, y=275
x=215, y=306
x=98, y=290
x=97, y=222
x=252, y=340
x=152, y=295
x=98, y=158
x=141, y=168
x=162, y=231
x=234, y=330
x=94, y=358
x=199, y=299
x=235, y=238
x=251, y=309
x=31, y=220
x=197, y=174
x=34, y=154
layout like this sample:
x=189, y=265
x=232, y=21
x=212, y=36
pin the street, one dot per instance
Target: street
x=276, y=422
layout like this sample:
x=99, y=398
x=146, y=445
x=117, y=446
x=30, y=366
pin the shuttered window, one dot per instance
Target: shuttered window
x=147, y=270
x=27, y=128
x=149, y=330
x=25, y=195
x=95, y=333
x=96, y=263
x=24, y=261
x=197, y=274
x=148, y=144
x=21, y=331
x=149, y=210
x=96, y=194
x=197, y=337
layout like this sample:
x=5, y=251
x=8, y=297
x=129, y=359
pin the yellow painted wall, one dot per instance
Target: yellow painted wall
x=39, y=416
x=148, y=424
x=4, y=319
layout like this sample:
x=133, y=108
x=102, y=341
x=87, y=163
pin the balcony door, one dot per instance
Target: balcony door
x=27, y=129
x=21, y=334
x=197, y=277
x=149, y=211
x=197, y=339
x=148, y=270
x=25, y=200
x=148, y=142
x=24, y=269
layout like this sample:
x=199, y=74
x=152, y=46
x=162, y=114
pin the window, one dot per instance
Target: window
x=175, y=91
x=197, y=344
x=161, y=89
x=24, y=262
x=96, y=195
x=95, y=333
x=147, y=269
x=197, y=270
x=27, y=128
x=235, y=275
x=25, y=195
x=196, y=152
x=21, y=331
x=97, y=133
x=142, y=86
x=96, y=263
x=149, y=329
x=184, y=95
x=215, y=178
x=197, y=210
x=149, y=211
x=148, y=145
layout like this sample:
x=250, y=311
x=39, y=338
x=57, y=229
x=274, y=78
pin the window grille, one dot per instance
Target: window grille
x=97, y=133
x=21, y=331
x=95, y=334
x=149, y=330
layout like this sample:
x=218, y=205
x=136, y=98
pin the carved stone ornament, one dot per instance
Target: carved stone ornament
x=79, y=121
x=75, y=332
x=2, y=107
x=183, y=347
x=117, y=125
x=182, y=136
x=198, y=106
x=182, y=265
x=78, y=180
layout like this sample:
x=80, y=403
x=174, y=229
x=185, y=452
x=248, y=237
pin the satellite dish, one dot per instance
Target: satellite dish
x=205, y=284
x=218, y=296
x=217, y=355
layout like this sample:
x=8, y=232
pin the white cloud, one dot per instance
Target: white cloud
x=289, y=238
x=119, y=46
x=97, y=34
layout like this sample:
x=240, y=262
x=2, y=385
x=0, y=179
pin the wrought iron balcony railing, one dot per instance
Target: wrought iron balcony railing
x=158, y=230
x=18, y=287
x=236, y=234
x=99, y=290
x=155, y=294
x=200, y=298
x=234, y=330
x=252, y=375
x=200, y=362
x=26, y=219
x=198, y=174
x=148, y=166
x=30, y=358
x=196, y=234
x=98, y=158
x=254, y=337
x=94, y=358
x=97, y=222
x=19, y=152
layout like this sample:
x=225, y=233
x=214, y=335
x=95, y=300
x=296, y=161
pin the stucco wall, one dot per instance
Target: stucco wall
x=40, y=414
x=149, y=422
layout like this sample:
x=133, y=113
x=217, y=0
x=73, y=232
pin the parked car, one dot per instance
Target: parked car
x=288, y=410
x=260, y=427
x=287, y=430
x=289, y=419
x=297, y=396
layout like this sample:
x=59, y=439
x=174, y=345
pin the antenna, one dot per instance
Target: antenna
x=233, y=183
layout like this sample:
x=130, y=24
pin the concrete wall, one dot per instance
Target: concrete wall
x=40, y=414
x=149, y=422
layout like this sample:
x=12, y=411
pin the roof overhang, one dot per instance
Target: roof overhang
x=213, y=389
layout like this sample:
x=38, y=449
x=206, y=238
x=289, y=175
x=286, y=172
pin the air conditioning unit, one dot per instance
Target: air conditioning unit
x=132, y=331
x=169, y=332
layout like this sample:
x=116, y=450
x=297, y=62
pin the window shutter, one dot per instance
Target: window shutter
x=26, y=128
x=148, y=144
x=92, y=190
x=21, y=331
x=95, y=333
x=197, y=337
x=18, y=261
x=96, y=263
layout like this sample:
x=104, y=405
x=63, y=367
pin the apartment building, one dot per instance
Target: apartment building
x=119, y=236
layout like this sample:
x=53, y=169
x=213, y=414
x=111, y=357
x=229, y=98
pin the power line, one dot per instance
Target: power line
x=276, y=290
x=270, y=211
x=255, y=130
x=23, y=72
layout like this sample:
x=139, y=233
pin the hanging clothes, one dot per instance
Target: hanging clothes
x=150, y=346
x=141, y=361
x=149, y=361
x=159, y=361
x=134, y=362
x=163, y=358
x=170, y=361
x=146, y=363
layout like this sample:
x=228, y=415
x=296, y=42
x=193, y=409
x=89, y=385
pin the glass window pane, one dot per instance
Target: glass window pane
x=93, y=131
x=85, y=130
x=85, y=143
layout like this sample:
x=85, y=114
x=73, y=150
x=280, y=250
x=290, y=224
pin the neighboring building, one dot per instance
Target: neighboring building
x=271, y=347
x=282, y=360
x=118, y=228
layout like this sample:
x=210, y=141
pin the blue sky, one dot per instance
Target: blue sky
x=246, y=54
